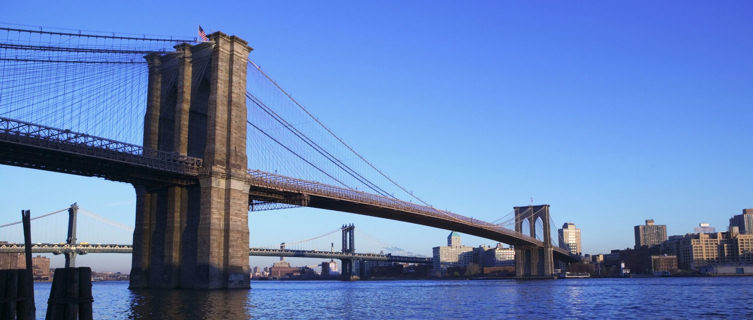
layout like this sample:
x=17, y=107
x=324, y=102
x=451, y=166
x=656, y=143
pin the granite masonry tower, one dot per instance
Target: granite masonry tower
x=195, y=235
x=532, y=261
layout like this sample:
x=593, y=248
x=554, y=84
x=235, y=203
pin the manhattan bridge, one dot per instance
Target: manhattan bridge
x=204, y=136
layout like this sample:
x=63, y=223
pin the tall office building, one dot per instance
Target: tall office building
x=570, y=238
x=650, y=234
x=743, y=221
x=453, y=240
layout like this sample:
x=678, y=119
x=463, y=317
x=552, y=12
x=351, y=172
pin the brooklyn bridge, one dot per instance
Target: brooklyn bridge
x=204, y=136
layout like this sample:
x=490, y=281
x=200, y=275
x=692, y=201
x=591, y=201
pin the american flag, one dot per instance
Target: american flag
x=202, y=35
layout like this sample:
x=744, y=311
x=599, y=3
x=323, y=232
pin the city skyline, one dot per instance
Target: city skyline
x=610, y=122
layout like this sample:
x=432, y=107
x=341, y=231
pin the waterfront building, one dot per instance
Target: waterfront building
x=727, y=270
x=695, y=250
x=499, y=256
x=650, y=234
x=12, y=261
x=455, y=255
x=744, y=221
x=329, y=270
x=281, y=269
x=452, y=255
x=40, y=268
x=664, y=264
x=569, y=238
x=704, y=228
x=255, y=272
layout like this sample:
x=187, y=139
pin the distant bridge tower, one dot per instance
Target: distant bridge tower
x=348, y=232
x=70, y=257
x=195, y=235
x=534, y=261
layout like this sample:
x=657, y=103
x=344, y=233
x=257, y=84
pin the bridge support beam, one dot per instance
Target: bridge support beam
x=533, y=262
x=196, y=236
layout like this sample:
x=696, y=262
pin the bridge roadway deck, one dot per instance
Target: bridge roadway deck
x=30, y=145
x=262, y=252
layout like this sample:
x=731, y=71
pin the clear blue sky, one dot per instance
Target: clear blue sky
x=611, y=112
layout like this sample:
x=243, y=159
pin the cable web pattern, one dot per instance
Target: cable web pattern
x=84, y=82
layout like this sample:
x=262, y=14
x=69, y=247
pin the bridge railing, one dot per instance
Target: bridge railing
x=27, y=133
x=266, y=179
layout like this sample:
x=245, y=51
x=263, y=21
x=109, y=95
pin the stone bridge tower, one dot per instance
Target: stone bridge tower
x=534, y=261
x=195, y=235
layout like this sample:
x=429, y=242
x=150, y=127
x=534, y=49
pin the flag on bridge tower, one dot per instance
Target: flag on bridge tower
x=202, y=35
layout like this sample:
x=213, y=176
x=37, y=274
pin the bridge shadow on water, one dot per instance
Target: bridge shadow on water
x=189, y=304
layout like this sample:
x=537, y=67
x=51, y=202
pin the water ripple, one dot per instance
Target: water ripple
x=654, y=298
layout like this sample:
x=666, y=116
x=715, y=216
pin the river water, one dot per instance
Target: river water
x=653, y=298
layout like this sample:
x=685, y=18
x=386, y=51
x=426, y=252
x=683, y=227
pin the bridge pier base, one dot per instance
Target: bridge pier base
x=346, y=267
x=196, y=236
x=533, y=262
x=162, y=245
x=352, y=269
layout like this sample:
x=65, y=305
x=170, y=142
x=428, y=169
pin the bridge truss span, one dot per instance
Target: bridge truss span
x=62, y=248
x=59, y=149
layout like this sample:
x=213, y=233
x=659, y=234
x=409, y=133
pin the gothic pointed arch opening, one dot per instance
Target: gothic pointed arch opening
x=526, y=228
x=539, y=229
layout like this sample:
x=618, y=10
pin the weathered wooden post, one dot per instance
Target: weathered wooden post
x=11, y=294
x=70, y=295
x=17, y=285
x=27, y=309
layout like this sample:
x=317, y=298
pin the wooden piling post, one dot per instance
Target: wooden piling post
x=85, y=294
x=70, y=295
x=3, y=285
x=11, y=294
x=54, y=311
x=27, y=309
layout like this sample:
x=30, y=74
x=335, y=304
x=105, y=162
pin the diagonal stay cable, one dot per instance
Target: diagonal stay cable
x=105, y=220
x=333, y=134
x=297, y=155
x=318, y=148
